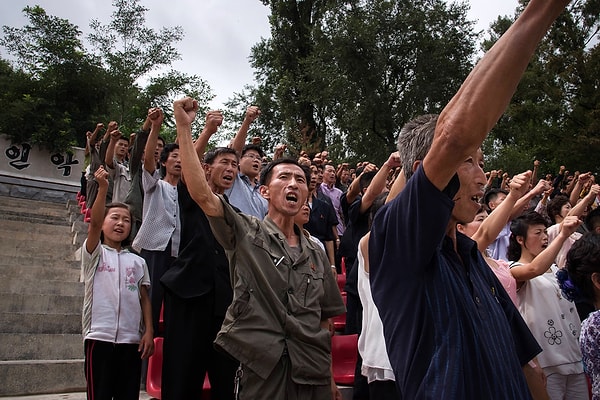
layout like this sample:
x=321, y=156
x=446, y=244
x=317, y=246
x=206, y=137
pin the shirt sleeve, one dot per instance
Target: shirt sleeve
x=410, y=229
x=89, y=261
x=149, y=181
x=224, y=227
x=146, y=277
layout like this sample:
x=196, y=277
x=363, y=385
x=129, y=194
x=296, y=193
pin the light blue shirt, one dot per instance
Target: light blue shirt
x=247, y=198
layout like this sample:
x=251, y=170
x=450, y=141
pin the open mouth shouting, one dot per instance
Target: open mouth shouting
x=292, y=198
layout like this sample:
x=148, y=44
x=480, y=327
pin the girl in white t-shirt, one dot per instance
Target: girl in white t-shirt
x=552, y=319
x=117, y=315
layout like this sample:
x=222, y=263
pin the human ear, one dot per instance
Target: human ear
x=416, y=165
x=596, y=280
x=264, y=191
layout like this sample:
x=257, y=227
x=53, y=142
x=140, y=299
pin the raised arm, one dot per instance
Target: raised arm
x=521, y=204
x=379, y=181
x=490, y=228
x=397, y=187
x=237, y=143
x=474, y=110
x=214, y=119
x=185, y=111
x=536, y=170
x=354, y=188
x=581, y=180
x=109, y=158
x=92, y=136
x=139, y=143
x=156, y=119
x=97, y=213
x=544, y=260
x=579, y=208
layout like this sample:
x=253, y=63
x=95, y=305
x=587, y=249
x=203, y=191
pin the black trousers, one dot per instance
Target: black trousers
x=189, y=353
x=112, y=371
x=158, y=263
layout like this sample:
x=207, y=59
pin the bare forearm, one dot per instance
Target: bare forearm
x=110, y=154
x=201, y=143
x=150, y=149
x=574, y=195
x=146, y=310
x=491, y=227
x=474, y=110
x=237, y=143
x=193, y=172
x=330, y=251
x=375, y=188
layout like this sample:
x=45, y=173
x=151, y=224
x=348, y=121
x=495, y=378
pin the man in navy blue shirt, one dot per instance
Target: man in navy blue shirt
x=450, y=329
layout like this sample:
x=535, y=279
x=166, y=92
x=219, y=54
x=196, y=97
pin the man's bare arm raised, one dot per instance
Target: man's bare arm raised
x=185, y=111
x=474, y=110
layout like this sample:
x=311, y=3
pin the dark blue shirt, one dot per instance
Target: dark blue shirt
x=451, y=330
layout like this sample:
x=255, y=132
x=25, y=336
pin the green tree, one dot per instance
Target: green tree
x=56, y=90
x=392, y=60
x=56, y=93
x=130, y=51
x=553, y=116
x=348, y=75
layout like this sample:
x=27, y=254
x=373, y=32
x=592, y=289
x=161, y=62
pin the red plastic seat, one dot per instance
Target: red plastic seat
x=344, y=354
x=154, y=376
x=341, y=282
x=88, y=215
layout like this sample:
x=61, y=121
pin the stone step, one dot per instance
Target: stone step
x=72, y=259
x=54, y=287
x=32, y=228
x=56, y=235
x=10, y=247
x=53, y=323
x=40, y=303
x=51, y=272
x=28, y=203
x=41, y=376
x=28, y=346
x=41, y=215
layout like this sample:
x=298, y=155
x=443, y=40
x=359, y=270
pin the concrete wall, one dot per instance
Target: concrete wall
x=28, y=172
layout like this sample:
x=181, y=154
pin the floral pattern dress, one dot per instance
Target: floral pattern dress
x=589, y=342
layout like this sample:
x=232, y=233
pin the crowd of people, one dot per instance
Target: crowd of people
x=460, y=283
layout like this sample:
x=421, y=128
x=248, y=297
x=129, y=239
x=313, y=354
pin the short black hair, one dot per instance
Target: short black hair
x=555, y=205
x=491, y=195
x=211, y=155
x=168, y=149
x=254, y=147
x=267, y=171
x=365, y=179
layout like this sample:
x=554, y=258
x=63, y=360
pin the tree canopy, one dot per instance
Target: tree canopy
x=553, y=116
x=348, y=75
x=57, y=89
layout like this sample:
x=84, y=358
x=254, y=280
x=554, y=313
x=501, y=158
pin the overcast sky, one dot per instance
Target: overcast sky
x=218, y=33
